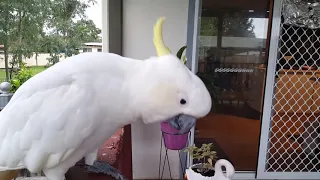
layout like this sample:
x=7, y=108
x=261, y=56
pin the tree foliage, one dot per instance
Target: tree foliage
x=234, y=24
x=204, y=154
x=31, y=27
x=21, y=77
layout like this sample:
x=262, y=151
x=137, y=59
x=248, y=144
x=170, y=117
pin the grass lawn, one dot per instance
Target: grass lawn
x=35, y=69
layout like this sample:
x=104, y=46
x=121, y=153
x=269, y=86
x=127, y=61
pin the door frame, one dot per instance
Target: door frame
x=194, y=14
x=268, y=103
x=269, y=89
x=112, y=42
x=193, y=27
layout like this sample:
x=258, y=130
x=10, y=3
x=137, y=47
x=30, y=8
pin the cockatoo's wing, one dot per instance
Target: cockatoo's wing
x=46, y=120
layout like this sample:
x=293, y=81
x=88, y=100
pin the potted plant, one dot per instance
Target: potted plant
x=208, y=167
x=172, y=139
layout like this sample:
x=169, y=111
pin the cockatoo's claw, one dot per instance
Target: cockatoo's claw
x=105, y=168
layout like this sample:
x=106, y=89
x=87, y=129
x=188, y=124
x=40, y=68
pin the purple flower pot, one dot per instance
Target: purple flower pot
x=173, y=140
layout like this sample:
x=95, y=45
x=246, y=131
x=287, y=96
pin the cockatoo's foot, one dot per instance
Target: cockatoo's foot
x=105, y=168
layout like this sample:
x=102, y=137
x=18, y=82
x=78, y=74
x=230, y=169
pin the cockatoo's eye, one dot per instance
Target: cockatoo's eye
x=183, y=101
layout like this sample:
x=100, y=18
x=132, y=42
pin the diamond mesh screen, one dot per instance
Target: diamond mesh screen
x=294, y=139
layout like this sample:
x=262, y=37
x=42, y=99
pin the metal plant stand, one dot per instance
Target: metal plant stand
x=183, y=164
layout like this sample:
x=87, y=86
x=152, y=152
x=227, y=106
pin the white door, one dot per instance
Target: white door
x=289, y=144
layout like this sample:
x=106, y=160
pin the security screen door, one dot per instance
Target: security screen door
x=290, y=133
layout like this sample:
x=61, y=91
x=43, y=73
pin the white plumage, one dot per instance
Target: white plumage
x=58, y=115
x=69, y=110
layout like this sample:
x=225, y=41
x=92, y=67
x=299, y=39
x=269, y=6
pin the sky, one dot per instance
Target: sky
x=260, y=27
x=95, y=13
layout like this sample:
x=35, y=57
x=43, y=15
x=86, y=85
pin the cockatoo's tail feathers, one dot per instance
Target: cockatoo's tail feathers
x=161, y=48
x=105, y=168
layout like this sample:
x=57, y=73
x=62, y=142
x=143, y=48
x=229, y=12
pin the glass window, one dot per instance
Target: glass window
x=232, y=63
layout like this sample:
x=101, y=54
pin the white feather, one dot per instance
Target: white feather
x=64, y=111
x=68, y=111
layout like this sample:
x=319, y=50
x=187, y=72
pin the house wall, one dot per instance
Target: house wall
x=41, y=60
x=93, y=49
x=139, y=16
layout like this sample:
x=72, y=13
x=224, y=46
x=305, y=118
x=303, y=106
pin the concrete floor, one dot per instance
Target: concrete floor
x=239, y=137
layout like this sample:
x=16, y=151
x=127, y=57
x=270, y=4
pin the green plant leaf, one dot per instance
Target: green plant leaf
x=180, y=52
x=204, y=154
x=21, y=77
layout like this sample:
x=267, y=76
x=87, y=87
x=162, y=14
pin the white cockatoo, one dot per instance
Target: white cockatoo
x=68, y=111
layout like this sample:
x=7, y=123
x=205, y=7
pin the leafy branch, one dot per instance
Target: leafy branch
x=205, y=155
x=31, y=27
x=180, y=54
x=21, y=77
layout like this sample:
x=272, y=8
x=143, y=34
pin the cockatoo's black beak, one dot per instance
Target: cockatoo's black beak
x=182, y=122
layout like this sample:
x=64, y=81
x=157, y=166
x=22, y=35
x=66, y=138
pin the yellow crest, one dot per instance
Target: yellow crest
x=161, y=48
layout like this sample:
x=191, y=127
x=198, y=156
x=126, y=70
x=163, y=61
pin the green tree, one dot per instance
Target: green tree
x=234, y=24
x=86, y=31
x=68, y=34
x=31, y=27
x=80, y=31
x=24, y=19
x=5, y=24
x=209, y=26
